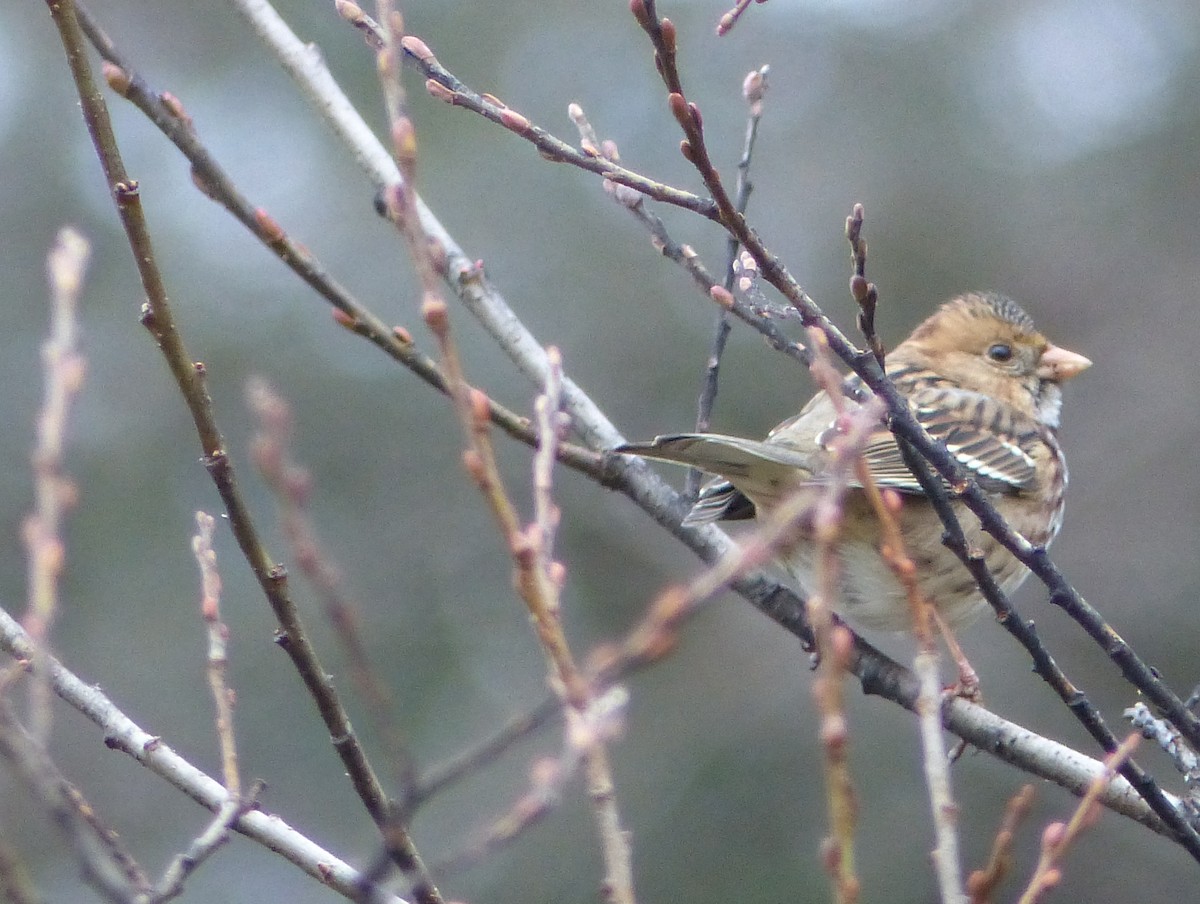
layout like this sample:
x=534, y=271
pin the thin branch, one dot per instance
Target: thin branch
x=54, y=492
x=292, y=485
x=982, y=883
x=833, y=642
x=218, y=656
x=946, y=860
x=395, y=341
x=538, y=579
x=203, y=846
x=1058, y=837
x=400, y=200
x=123, y=734
x=686, y=257
x=470, y=760
x=865, y=294
x=106, y=864
x=158, y=318
x=443, y=85
x=588, y=717
x=754, y=90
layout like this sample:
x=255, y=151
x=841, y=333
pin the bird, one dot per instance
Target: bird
x=979, y=377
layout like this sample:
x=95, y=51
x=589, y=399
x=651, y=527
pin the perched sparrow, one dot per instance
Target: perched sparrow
x=980, y=378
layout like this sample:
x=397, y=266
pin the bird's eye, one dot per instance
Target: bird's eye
x=1000, y=352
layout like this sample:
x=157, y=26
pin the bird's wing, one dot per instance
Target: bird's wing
x=719, y=500
x=750, y=468
x=729, y=456
x=993, y=445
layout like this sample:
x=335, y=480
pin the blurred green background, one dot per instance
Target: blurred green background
x=1048, y=150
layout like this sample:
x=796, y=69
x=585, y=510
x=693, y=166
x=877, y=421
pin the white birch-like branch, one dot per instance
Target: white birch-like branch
x=122, y=733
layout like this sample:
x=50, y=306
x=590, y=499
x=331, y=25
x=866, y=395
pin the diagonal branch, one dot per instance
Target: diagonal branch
x=123, y=734
x=158, y=318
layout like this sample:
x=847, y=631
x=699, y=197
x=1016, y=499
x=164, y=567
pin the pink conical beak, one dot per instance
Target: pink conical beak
x=1058, y=364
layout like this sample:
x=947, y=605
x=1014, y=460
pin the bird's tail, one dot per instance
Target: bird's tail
x=752, y=470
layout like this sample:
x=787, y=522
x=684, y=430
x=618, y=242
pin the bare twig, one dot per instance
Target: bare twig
x=754, y=89
x=203, y=846
x=444, y=86
x=982, y=883
x=400, y=202
x=538, y=578
x=893, y=550
x=946, y=861
x=54, y=492
x=757, y=319
x=293, y=487
x=833, y=641
x=1058, y=837
x=865, y=293
x=587, y=715
x=158, y=318
x=218, y=655
x=106, y=864
x=730, y=19
x=123, y=734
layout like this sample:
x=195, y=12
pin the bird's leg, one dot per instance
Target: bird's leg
x=967, y=685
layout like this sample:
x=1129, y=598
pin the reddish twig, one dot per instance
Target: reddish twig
x=730, y=18
x=538, y=578
x=982, y=883
x=218, y=657
x=754, y=89
x=292, y=485
x=54, y=492
x=866, y=295
x=1058, y=837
